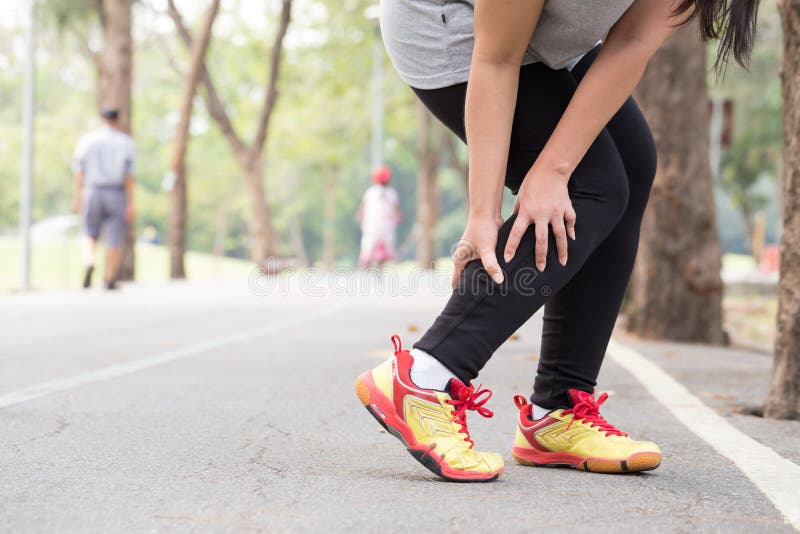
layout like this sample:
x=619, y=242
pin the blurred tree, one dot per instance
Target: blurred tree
x=743, y=166
x=320, y=159
x=77, y=17
x=752, y=161
x=177, y=220
x=456, y=161
x=329, y=217
x=430, y=147
x=114, y=64
x=783, y=400
x=114, y=89
x=749, y=167
x=323, y=124
x=114, y=84
x=249, y=157
x=677, y=290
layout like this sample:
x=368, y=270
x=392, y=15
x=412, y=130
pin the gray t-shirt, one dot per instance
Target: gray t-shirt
x=430, y=41
x=105, y=156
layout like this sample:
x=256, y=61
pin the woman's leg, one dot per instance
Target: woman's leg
x=480, y=315
x=579, y=319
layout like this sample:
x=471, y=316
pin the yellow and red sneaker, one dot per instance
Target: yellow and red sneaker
x=432, y=424
x=580, y=437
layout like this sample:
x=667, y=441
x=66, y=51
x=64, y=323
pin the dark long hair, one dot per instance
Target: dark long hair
x=733, y=22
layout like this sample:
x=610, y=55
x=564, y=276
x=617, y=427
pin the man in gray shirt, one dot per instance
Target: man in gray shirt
x=104, y=167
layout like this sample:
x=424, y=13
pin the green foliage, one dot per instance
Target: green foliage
x=70, y=15
x=58, y=264
x=750, y=166
x=65, y=83
x=321, y=126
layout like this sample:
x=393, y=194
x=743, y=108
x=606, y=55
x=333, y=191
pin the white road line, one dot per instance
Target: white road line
x=776, y=477
x=115, y=371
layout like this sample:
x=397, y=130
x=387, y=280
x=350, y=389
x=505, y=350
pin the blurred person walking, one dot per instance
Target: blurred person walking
x=379, y=214
x=104, y=168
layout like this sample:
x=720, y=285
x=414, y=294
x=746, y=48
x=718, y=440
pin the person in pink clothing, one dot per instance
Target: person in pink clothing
x=379, y=214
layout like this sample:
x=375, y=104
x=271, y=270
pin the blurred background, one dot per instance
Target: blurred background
x=292, y=105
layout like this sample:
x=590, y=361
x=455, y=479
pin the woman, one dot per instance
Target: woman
x=547, y=113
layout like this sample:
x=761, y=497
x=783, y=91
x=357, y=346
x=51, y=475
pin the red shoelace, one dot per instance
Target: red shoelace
x=587, y=409
x=466, y=398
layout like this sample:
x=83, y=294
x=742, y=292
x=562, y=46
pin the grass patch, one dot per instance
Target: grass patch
x=739, y=262
x=750, y=320
x=57, y=265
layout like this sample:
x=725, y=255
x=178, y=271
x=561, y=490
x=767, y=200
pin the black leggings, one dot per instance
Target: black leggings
x=609, y=191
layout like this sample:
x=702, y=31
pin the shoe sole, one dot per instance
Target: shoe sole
x=382, y=409
x=635, y=463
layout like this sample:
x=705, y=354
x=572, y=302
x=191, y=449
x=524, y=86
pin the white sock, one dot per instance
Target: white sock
x=538, y=412
x=428, y=373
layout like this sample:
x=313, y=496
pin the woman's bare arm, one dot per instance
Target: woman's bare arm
x=503, y=29
x=607, y=84
x=610, y=80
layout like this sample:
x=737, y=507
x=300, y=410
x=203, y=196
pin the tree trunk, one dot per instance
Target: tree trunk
x=116, y=59
x=677, y=287
x=427, y=195
x=262, y=236
x=783, y=400
x=747, y=221
x=462, y=166
x=296, y=238
x=329, y=220
x=176, y=233
x=220, y=231
x=249, y=157
x=177, y=219
x=285, y=196
x=114, y=91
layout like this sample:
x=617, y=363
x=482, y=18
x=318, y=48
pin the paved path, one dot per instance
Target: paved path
x=208, y=408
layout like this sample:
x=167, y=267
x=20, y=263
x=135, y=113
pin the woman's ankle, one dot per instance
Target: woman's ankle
x=429, y=373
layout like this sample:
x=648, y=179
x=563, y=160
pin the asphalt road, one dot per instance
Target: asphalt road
x=216, y=408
